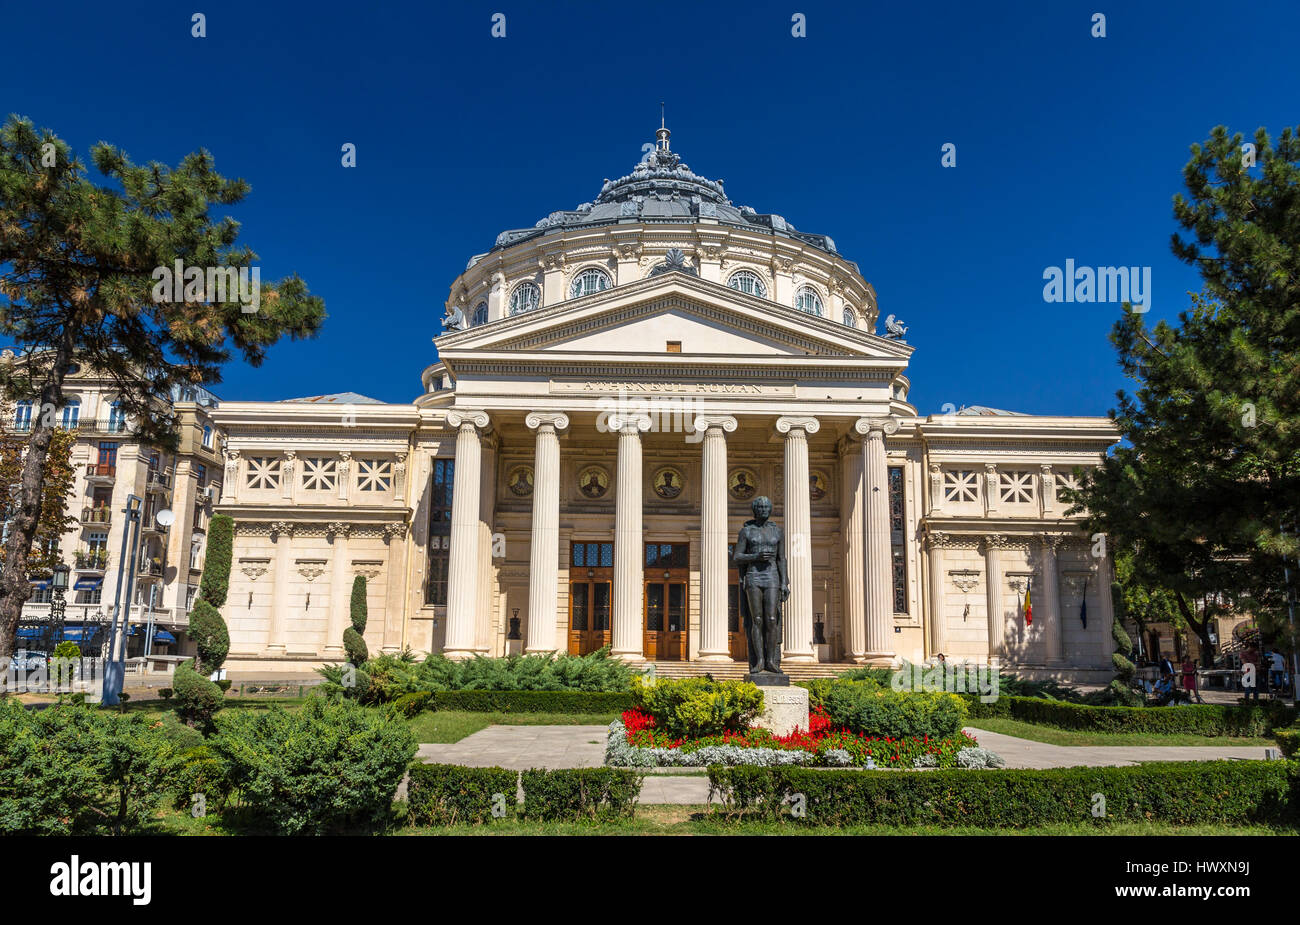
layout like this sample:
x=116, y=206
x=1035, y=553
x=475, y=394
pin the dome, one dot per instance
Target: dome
x=662, y=189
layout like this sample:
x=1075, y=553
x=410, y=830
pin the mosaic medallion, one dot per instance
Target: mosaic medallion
x=818, y=485
x=520, y=481
x=669, y=482
x=742, y=485
x=593, y=482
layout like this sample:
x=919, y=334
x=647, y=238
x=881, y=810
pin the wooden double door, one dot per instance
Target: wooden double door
x=591, y=573
x=667, y=601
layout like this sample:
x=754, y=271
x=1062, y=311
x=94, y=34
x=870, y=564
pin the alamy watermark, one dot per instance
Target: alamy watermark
x=1099, y=284
x=951, y=678
x=211, y=284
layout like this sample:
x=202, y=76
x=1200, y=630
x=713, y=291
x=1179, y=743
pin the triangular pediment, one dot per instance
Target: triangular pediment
x=705, y=318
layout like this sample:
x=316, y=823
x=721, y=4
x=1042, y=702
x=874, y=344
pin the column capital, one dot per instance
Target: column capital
x=478, y=419
x=787, y=423
x=994, y=541
x=704, y=422
x=557, y=419
x=935, y=539
x=1050, y=542
x=882, y=426
x=634, y=423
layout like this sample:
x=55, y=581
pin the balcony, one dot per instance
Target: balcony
x=97, y=515
x=91, y=560
x=101, y=472
x=149, y=524
x=151, y=568
x=157, y=481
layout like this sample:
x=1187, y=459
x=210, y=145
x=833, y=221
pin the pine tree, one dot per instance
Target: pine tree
x=80, y=282
x=354, y=643
x=1210, y=471
x=207, y=628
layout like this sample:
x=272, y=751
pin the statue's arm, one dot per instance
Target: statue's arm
x=741, y=555
x=780, y=561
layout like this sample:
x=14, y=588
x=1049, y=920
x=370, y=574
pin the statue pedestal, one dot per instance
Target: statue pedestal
x=785, y=709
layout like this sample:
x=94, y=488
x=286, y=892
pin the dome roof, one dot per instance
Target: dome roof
x=661, y=188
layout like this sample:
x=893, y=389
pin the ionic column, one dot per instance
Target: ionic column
x=1051, y=605
x=879, y=570
x=462, y=569
x=275, y=644
x=713, y=537
x=798, y=539
x=993, y=594
x=340, y=591
x=629, y=574
x=1102, y=577
x=483, y=634
x=544, y=554
x=936, y=543
x=852, y=517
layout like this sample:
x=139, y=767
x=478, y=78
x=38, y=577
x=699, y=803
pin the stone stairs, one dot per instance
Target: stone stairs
x=736, y=671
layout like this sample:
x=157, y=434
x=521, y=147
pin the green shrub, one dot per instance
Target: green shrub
x=67, y=649
x=165, y=693
x=876, y=711
x=411, y=704
x=531, y=701
x=1177, y=793
x=447, y=794
x=354, y=643
x=596, y=671
x=214, y=584
x=210, y=635
x=197, y=698
x=694, y=707
x=77, y=770
x=1288, y=740
x=223, y=684
x=355, y=647
x=330, y=766
x=580, y=793
x=201, y=774
x=1197, y=719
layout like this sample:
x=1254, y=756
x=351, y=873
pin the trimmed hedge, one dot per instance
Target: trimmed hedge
x=446, y=794
x=581, y=793
x=1200, y=719
x=866, y=708
x=1288, y=740
x=531, y=701
x=694, y=707
x=1178, y=793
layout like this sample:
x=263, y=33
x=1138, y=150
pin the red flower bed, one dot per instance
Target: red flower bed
x=818, y=739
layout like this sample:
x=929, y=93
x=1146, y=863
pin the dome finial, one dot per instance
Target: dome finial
x=663, y=132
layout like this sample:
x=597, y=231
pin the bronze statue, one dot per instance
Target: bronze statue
x=760, y=559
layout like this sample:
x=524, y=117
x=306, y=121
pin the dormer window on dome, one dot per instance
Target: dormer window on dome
x=748, y=282
x=480, y=314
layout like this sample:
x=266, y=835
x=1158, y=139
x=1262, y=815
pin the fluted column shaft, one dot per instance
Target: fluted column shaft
x=852, y=515
x=879, y=570
x=798, y=539
x=544, y=554
x=340, y=594
x=462, y=567
x=938, y=619
x=993, y=596
x=1050, y=583
x=629, y=539
x=275, y=632
x=713, y=538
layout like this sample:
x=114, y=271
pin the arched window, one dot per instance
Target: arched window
x=748, y=282
x=587, y=282
x=850, y=319
x=23, y=415
x=71, y=414
x=807, y=300
x=480, y=314
x=207, y=436
x=525, y=298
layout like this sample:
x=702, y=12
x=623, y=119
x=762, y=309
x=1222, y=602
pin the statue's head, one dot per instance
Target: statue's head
x=762, y=507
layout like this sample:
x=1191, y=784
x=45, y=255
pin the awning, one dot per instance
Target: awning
x=80, y=633
x=40, y=584
x=87, y=584
x=134, y=630
x=30, y=632
x=163, y=636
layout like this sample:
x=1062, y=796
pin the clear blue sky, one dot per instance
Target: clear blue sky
x=1068, y=146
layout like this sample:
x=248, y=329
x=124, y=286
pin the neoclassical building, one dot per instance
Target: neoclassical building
x=613, y=388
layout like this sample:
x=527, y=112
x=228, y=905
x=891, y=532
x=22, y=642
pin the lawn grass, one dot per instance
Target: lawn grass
x=1054, y=736
x=444, y=726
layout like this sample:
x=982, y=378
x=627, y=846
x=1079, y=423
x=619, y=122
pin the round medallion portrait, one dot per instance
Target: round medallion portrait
x=520, y=481
x=818, y=485
x=593, y=482
x=742, y=485
x=668, y=483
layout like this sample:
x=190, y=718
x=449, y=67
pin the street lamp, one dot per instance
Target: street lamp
x=58, y=602
x=115, y=670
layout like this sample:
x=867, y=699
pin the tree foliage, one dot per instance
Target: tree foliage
x=1205, y=489
x=59, y=477
x=79, y=284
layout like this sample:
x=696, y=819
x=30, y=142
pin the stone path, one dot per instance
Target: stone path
x=521, y=747
x=1024, y=753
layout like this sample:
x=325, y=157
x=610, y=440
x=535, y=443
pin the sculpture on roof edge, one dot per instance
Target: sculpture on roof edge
x=454, y=320
x=894, y=329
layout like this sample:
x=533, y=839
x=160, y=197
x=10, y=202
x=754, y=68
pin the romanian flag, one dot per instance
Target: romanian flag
x=1029, y=609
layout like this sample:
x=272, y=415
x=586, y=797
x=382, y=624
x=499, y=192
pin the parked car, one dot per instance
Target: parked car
x=29, y=661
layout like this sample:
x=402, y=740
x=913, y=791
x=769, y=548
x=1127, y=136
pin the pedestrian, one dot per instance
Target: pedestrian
x=1189, y=677
x=1250, y=672
x=1277, y=671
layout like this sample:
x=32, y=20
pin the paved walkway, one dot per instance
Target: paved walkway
x=519, y=748
x=1024, y=753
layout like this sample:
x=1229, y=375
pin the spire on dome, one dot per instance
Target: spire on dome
x=663, y=132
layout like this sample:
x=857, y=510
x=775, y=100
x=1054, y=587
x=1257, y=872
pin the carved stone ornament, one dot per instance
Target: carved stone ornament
x=282, y=528
x=254, y=569
x=965, y=580
x=311, y=569
x=367, y=569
